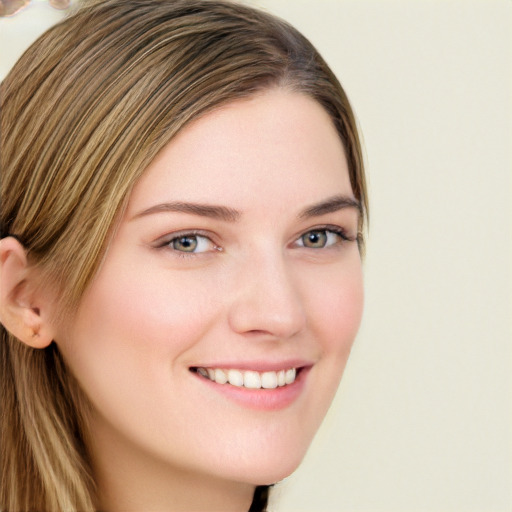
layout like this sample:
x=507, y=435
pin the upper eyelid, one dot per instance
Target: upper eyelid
x=338, y=232
x=334, y=228
x=166, y=239
x=165, y=243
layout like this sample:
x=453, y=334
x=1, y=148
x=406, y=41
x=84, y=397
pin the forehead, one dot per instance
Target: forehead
x=276, y=146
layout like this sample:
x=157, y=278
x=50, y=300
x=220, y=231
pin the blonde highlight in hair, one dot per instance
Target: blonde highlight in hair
x=84, y=112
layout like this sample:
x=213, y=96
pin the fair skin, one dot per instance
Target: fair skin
x=265, y=283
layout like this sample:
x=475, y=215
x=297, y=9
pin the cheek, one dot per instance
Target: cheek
x=142, y=310
x=129, y=332
x=335, y=310
x=334, y=315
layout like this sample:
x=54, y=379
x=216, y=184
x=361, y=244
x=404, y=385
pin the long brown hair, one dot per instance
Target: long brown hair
x=84, y=111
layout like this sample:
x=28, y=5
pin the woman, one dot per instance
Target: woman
x=183, y=202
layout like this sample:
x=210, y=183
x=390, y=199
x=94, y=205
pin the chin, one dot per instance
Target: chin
x=274, y=475
x=270, y=470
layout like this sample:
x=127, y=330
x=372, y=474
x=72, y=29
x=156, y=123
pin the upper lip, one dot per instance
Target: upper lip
x=257, y=365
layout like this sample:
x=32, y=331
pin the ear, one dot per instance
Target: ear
x=23, y=309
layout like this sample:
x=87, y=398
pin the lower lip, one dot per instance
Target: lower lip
x=261, y=399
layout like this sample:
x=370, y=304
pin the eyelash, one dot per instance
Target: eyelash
x=337, y=230
x=167, y=244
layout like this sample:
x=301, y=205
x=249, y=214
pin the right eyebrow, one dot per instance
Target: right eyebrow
x=203, y=210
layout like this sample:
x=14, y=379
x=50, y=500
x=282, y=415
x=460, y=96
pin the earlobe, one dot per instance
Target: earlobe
x=21, y=306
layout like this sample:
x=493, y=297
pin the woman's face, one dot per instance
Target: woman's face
x=235, y=259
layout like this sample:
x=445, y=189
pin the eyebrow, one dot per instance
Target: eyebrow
x=330, y=205
x=204, y=210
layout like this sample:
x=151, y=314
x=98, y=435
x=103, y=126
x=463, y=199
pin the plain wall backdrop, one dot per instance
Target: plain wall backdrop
x=423, y=418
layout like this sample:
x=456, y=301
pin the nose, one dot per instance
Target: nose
x=266, y=299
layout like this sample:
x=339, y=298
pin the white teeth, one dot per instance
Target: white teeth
x=269, y=380
x=290, y=376
x=220, y=377
x=250, y=379
x=235, y=378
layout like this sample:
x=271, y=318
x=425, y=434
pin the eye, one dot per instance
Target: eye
x=191, y=243
x=321, y=238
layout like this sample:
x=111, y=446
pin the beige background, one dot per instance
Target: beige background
x=423, y=419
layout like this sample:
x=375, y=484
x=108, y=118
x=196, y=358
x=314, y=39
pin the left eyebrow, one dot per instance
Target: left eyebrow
x=331, y=205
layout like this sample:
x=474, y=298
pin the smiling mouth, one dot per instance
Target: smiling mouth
x=249, y=378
